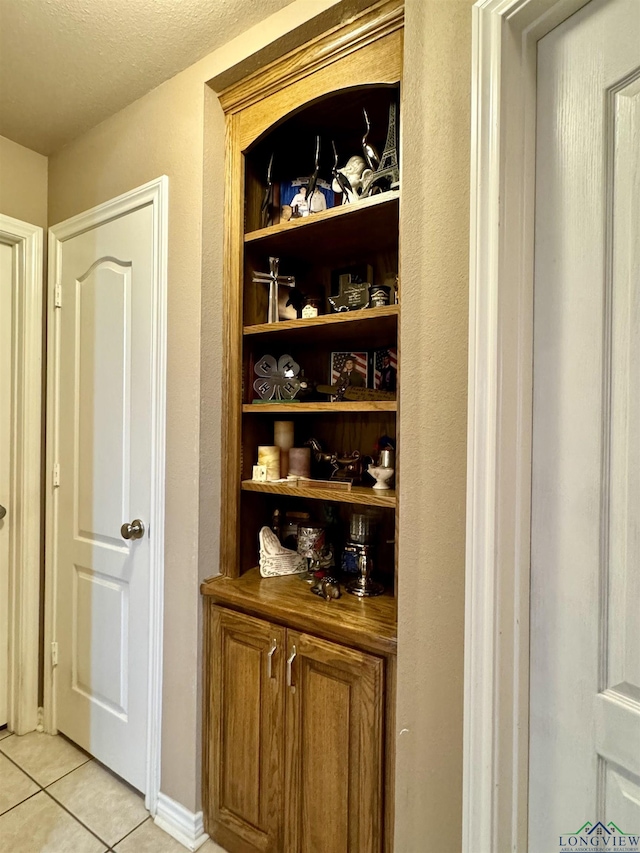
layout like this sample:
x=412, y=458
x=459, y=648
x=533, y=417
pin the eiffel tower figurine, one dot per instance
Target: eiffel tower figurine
x=387, y=175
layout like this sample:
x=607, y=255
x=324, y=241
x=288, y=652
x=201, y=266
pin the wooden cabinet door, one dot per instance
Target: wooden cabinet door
x=246, y=770
x=334, y=729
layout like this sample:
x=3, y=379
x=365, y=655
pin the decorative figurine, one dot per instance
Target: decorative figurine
x=274, y=281
x=357, y=174
x=346, y=467
x=291, y=309
x=326, y=586
x=330, y=588
x=275, y=559
x=341, y=183
x=313, y=180
x=370, y=154
x=387, y=174
x=266, y=210
x=277, y=378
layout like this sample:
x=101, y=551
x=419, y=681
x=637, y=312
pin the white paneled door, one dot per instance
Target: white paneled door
x=6, y=407
x=102, y=486
x=585, y=572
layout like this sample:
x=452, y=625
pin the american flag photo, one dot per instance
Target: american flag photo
x=361, y=366
x=385, y=369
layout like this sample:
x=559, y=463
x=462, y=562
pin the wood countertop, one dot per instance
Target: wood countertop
x=369, y=624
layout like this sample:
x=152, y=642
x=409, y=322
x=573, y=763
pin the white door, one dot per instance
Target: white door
x=104, y=434
x=585, y=573
x=6, y=331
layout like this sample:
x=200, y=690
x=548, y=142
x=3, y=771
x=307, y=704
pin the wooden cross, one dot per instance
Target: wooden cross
x=273, y=280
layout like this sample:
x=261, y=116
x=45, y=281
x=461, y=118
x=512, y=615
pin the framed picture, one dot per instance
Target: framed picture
x=384, y=369
x=293, y=198
x=350, y=366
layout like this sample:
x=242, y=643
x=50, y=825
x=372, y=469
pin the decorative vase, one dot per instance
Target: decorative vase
x=382, y=476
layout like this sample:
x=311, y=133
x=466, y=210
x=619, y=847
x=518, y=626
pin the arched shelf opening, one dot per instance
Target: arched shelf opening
x=291, y=143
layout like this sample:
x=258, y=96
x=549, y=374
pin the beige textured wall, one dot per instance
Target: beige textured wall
x=23, y=183
x=432, y=460
x=162, y=133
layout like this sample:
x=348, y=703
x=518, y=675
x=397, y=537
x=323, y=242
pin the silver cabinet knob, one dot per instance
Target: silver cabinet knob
x=3, y=512
x=135, y=530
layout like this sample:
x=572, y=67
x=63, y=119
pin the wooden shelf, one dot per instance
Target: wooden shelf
x=371, y=327
x=357, y=495
x=319, y=408
x=317, y=219
x=342, y=230
x=369, y=624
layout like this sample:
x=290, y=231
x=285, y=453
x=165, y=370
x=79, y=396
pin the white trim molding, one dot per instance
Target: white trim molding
x=496, y=702
x=24, y=499
x=185, y=826
x=155, y=194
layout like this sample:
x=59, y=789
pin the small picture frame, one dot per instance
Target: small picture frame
x=293, y=198
x=351, y=366
x=384, y=369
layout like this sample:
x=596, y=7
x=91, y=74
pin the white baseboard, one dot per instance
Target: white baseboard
x=181, y=824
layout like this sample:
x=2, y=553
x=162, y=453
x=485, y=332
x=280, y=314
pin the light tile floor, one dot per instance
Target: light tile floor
x=54, y=798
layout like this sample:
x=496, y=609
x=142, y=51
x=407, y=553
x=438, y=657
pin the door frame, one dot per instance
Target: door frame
x=503, y=143
x=25, y=489
x=154, y=193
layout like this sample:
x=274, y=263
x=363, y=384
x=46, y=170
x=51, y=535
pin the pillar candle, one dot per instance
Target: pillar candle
x=300, y=461
x=283, y=434
x=283, y=437
x=269, y=455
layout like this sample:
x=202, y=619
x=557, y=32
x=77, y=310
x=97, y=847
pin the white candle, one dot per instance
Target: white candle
x=269, y=455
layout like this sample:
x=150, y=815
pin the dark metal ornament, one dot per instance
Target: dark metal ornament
x=277, y=379
x=387, y=175
x=313, y=180
x=341, y=180
x=370, y=154
x=266, y=210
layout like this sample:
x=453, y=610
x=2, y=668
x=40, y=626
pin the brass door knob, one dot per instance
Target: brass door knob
x=135, y=530
x=3, y=512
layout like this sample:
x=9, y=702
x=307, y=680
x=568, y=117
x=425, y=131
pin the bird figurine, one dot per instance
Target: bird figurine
x=370, y=154
x=343, y=184
x=313, y=180
x=267, y=201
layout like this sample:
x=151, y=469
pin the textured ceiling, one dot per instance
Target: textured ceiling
x=65, y=65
